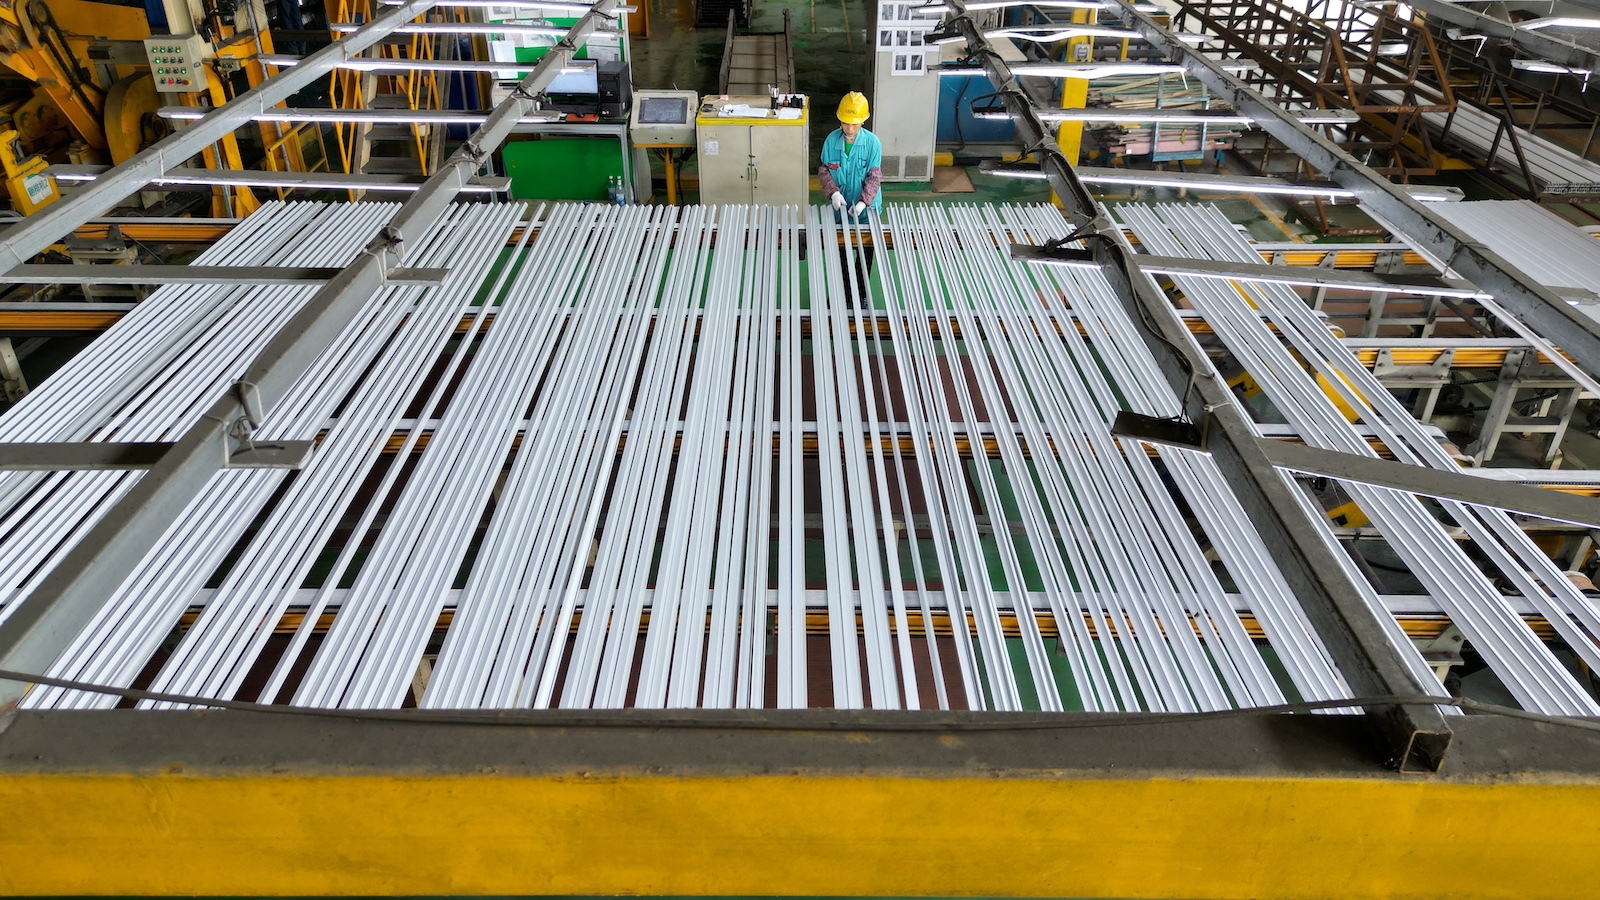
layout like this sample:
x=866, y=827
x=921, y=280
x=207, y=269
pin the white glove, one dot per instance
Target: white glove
x=858, y=209
x=838, y=201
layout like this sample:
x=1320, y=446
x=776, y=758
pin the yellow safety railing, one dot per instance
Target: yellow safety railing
x=292, y=148
x=353, y=90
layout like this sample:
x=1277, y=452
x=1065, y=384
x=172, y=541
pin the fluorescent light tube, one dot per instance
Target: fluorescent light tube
x=1560, y=22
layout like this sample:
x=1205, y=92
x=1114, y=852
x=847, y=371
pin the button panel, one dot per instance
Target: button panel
x=177, y=62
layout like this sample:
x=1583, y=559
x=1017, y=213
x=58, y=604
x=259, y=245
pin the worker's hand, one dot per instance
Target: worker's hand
x=838, y=201
x=858, y=209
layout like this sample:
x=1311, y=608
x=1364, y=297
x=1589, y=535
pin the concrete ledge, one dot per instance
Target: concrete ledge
x=246, y=804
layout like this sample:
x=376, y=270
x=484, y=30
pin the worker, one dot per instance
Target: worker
x=851, y=173
x=852, y=158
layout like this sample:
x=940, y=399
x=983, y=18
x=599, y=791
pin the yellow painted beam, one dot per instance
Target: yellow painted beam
x=1049, y=835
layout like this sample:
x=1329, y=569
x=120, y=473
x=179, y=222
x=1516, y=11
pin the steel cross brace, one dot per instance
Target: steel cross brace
x=1507, y=495
x=52, y=273
x=42, y=624
x=1415, y=736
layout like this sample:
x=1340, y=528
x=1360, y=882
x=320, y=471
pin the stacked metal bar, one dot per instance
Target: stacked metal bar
x=142, y=615
x=682, y=467
x=155, y=372
x=1244, y=315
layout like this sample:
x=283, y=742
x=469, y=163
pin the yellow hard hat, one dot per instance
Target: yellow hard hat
x=853, y=108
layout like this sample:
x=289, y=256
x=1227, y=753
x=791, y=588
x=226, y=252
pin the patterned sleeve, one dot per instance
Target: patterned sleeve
x=829, y=188
x=869, y=188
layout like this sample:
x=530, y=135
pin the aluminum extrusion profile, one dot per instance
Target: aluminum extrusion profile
x=68, y=273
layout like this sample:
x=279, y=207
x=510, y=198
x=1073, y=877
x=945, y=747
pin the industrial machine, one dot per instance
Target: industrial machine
x=1045, y=545
x=47, y=42
x=752, y=152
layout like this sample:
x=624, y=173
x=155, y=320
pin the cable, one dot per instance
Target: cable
x=1014, y=722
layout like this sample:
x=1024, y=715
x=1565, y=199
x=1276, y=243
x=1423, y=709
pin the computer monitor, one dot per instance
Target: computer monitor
x=664, y=111
x=580, y=76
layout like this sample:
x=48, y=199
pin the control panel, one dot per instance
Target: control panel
x=663, y=118
x=177, y=62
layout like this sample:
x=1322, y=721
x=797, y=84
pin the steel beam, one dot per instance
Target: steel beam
x=103, y=455
x=1505, y=495
x=41, y=625
x=792, y=802
x=1312, y=276
x=53, y=273
x=1415, y=736
x=1535, y=43
x=21, y=244
x=1520, y=293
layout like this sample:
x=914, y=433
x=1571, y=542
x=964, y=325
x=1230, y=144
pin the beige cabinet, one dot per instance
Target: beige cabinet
x=746, y=158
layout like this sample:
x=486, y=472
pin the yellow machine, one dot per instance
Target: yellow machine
x=48, y=44
x=30, y=188
x=87, y=109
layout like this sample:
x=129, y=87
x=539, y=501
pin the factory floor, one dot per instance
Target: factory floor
x=832, y=53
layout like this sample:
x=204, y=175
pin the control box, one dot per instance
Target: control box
x=663, y=118
x=177, y=62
